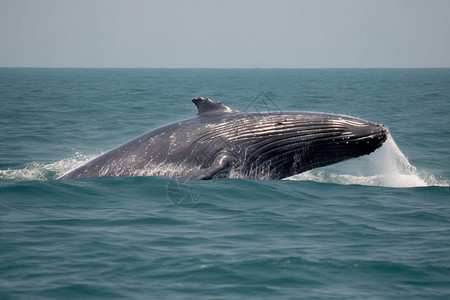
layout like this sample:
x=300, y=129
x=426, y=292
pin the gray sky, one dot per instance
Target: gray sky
x=225, y=34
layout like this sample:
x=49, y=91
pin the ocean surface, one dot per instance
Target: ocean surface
x=376, y=227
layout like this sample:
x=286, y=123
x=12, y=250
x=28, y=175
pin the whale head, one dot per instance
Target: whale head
x=281, y=144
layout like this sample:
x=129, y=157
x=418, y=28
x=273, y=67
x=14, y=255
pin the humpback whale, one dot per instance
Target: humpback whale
x=223, y=142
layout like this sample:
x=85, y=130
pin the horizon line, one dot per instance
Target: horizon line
x=227, y=68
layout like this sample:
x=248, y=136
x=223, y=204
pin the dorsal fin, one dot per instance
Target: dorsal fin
x=207, y=107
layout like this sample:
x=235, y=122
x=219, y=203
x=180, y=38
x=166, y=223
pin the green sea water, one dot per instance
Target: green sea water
x=376, y=227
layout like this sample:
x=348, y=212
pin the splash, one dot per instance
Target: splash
x=41, y=171
x=387, y=166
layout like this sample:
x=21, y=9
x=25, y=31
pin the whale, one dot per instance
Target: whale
x=224, y=142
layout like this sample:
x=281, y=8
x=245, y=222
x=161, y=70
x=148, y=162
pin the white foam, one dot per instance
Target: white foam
x=42, y=171
x=387, y=166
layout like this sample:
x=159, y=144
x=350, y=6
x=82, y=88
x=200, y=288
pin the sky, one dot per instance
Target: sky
x=225, y=34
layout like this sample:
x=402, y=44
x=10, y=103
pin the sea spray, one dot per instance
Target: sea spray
x=41, y=171
x=387, y=166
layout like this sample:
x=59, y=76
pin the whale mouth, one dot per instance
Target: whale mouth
x=350, y=146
